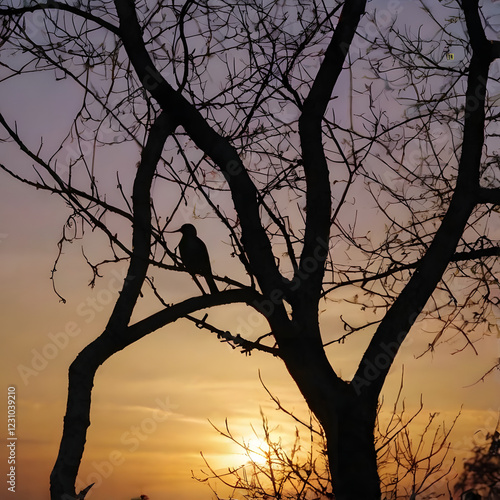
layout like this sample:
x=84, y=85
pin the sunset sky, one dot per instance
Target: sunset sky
x=154, y=401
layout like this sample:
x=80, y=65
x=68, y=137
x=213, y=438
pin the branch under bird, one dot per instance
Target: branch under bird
x=194, y=256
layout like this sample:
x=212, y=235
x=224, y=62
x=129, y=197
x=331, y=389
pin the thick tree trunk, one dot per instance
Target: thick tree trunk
x=76, y=423
x=356, y=474
x=349, y=428
x=348, y=422
x=347, y=418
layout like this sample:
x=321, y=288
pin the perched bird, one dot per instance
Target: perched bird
x=194, y=256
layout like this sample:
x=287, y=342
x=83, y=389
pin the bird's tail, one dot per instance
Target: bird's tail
x=211, y=283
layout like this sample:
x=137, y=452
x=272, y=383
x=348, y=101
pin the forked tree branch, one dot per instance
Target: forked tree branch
x=397, y=322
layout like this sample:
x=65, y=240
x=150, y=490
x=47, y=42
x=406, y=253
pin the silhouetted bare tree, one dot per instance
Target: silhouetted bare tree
x=291, y=122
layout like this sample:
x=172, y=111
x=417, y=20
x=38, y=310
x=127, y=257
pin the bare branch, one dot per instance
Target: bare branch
x=53, y=4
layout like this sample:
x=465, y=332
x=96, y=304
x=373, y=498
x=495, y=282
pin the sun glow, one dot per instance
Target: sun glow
x=258, y=451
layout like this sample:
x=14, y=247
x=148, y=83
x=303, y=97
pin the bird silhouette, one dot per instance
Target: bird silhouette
x=194, y=256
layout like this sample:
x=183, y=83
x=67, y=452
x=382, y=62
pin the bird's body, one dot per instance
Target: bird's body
x=194, y=256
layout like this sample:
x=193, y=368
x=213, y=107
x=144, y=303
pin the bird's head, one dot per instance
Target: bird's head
x=187, y=230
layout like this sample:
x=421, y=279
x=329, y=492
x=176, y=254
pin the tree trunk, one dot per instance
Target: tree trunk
x=356, y=475
x=77, y=419
x=347, y=418
x=349, y=428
